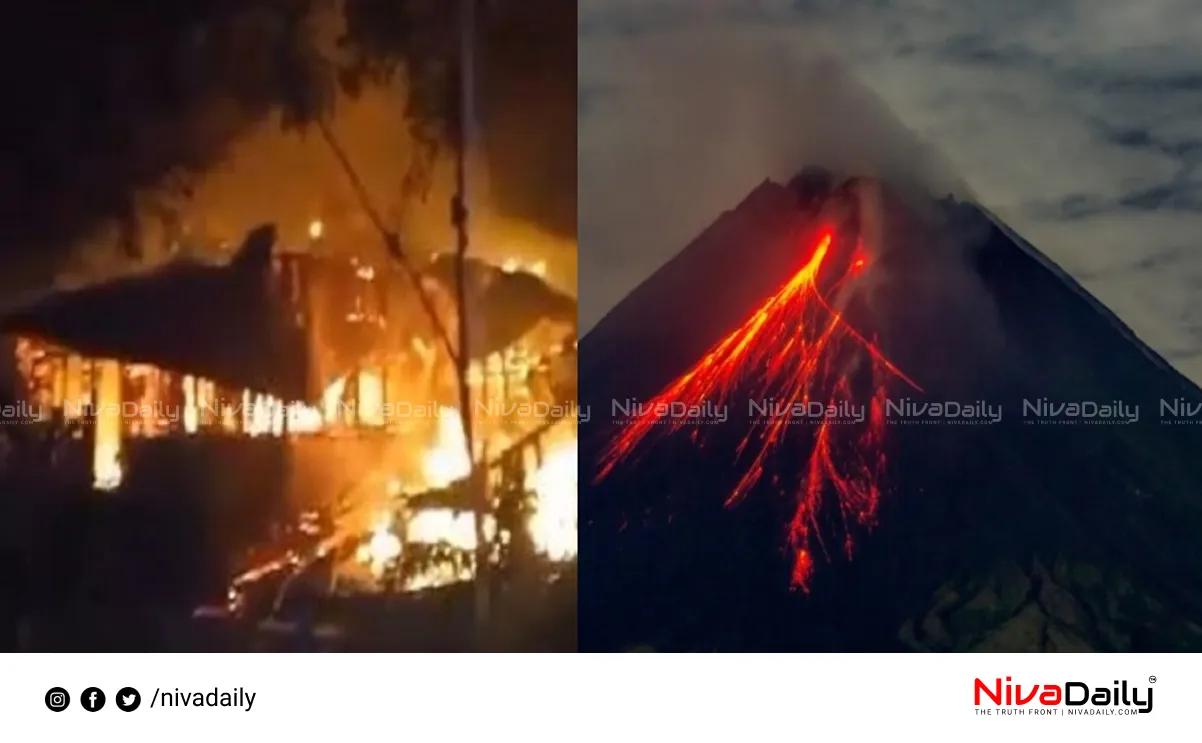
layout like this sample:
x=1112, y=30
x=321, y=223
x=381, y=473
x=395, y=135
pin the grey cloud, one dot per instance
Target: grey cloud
x=1079, y=122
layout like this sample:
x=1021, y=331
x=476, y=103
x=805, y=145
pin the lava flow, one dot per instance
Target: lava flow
x=796, y=350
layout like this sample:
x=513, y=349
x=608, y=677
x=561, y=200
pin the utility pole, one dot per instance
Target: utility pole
x=477, y=479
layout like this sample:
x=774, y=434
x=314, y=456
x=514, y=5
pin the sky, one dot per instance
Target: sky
x=1078, y=123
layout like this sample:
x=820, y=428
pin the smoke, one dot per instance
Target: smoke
x=687, y=124
x=702, y=116
x=933, y=313
x=128, y=182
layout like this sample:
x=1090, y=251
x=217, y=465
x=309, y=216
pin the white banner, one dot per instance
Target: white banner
x=564, y=698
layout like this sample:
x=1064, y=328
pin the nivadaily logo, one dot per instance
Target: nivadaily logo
x=1071, y=698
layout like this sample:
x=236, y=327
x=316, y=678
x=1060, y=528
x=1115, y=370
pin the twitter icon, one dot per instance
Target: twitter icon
x=128, y=699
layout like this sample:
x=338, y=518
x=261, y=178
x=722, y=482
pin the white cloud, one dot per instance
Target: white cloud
x=1078, y=122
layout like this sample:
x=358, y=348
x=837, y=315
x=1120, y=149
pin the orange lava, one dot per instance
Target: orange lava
x=796, y=349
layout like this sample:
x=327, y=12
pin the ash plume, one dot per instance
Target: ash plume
x=714, y=113
x=709, y=116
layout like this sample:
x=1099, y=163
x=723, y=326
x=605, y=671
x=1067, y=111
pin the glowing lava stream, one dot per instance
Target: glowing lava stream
x=796, y=349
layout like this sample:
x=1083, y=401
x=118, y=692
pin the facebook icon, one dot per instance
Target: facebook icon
x=92, y=699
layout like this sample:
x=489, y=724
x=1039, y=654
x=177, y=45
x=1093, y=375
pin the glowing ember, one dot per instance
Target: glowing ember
x=553, y=525
x=796, y=349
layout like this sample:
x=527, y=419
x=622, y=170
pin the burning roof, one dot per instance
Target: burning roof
x=854, y=299
x=224, y=323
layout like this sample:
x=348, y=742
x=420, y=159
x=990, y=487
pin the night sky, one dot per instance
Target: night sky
x=1079, y=123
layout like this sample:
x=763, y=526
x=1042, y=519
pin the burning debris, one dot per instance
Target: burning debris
x=427, y=538
x=407, y=525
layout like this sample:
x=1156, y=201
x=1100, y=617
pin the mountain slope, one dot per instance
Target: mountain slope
x=1018, y=534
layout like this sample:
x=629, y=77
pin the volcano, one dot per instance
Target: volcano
x=855, y=417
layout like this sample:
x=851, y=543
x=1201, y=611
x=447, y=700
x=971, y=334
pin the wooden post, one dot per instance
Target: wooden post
x=459, y=216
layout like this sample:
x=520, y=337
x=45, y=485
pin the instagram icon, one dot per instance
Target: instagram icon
x=57, y=699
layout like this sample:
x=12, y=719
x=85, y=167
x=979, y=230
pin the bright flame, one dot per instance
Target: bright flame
x=514, y=265
x=316, y=229
x=371, y=397
x=257, y=419
x=106, y=452
x=205, y=394
x=447, y=461
x=299, y=418
x=553, y=525
x=149, y=382
x=278, y=413
x=456, y=528
x=382, y=549
x=191, y=408
x=331, y=401
x=304, y=418
x=229, y=419
x=106, y=468
x=438, y=575
x=73, y=396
